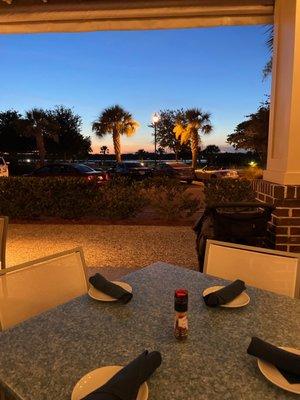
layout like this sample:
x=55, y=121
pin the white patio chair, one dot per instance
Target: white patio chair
x=3, y=236
x=271, y=270
x=31, y=288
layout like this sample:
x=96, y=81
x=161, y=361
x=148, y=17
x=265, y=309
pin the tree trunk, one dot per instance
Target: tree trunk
x=176, y=150
x=117, y=146
x=194, y=148
x=176, y=155
x=40, y=145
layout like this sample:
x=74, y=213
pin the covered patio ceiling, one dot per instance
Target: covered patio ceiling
x=29, y=16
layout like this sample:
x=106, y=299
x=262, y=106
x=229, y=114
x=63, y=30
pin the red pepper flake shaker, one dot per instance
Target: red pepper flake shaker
x=181, y=319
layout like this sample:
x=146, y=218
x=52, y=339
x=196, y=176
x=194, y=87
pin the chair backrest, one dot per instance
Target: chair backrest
x=3, y=236
x=271, y=270
x=31, y=288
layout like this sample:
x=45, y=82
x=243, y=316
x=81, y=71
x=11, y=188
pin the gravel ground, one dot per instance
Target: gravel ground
x=116, y=249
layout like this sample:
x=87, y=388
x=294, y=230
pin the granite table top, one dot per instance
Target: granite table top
x=44, y=357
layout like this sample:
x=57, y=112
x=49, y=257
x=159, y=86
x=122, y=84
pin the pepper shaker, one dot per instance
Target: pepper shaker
x=181, y=319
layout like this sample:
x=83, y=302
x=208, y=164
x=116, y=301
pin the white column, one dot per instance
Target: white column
x=284, y=136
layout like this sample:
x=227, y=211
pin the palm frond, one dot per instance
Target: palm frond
x=270, y=37
x=193, y=114
x=207, y=129
x=268, y=68
x=205, y=118
x=115, y=119
x=186, y=135
x=180, y=132
x=131, y=128
x=270, y=44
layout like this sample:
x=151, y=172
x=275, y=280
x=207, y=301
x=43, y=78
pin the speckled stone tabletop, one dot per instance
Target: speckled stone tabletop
x=44, y=357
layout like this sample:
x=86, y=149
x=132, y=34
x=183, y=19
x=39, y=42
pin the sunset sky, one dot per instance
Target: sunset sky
x=216, y=69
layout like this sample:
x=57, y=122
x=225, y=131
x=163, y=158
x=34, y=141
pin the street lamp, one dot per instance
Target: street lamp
x=155, y=119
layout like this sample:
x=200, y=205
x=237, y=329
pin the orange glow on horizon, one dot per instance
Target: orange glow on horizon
x=125, y=148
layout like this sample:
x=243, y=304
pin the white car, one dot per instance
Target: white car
x=185, y=172
x=209, y=173
x=3, y=167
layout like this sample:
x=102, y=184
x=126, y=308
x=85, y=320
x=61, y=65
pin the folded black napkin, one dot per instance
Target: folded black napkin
x=109, y=288
x=225, y=295
x=126, y=383
x=287, y=363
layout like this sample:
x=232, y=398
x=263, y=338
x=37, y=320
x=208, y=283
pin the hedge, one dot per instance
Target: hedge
x=33, y=198
x=75, y=198
x=169, y=198
x=228, y=190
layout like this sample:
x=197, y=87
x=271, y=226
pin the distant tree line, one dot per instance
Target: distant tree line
x=55, y=132
x=210, y=156
x=252, y=134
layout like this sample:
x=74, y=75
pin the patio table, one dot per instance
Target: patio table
x=44, y=357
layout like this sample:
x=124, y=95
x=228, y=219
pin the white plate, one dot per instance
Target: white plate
x=274, y=375
x=97, y=295
x=97, y=378
x=240, y=301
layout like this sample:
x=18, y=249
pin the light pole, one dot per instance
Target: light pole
x=155, y=119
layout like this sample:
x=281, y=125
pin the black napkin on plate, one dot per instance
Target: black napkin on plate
x=109, y=288
x=225, y=295
x=126, y=383
x=287, y=363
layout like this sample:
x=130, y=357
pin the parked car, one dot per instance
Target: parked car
x=175, y=169
x=102, y=165
x=3, y=167
x=107, y=164
x=207, y=173
x=70, y=170
x=132, y=170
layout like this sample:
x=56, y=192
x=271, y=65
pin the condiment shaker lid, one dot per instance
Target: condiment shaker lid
x=181, y=300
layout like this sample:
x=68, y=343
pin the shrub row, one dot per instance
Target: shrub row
x=169, y=198
x=74, y=198
x=228, y=190
x=31, y=198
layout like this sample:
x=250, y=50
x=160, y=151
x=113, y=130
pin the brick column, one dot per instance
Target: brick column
x=284, y=228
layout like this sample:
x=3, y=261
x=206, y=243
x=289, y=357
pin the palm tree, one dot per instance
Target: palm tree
x=116, y=121
x=188, y=128
x=39, y=123
x=104, y=150
x=270, y=44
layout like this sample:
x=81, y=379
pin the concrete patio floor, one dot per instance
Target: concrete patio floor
x=115, y=249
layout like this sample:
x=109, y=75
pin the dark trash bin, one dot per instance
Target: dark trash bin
x=241, y=223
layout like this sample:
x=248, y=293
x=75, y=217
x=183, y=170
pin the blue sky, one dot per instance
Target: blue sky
x=217, y=69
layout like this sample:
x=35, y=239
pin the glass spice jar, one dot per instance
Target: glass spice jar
x=181, y=319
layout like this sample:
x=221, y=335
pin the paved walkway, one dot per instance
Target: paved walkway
x=116, y=249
